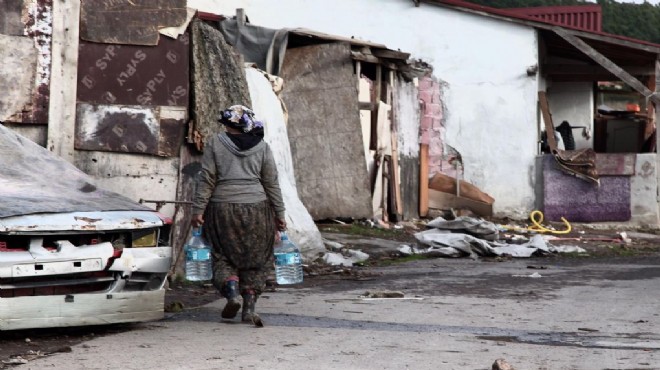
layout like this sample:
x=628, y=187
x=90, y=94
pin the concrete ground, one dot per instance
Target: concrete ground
x=541, y=313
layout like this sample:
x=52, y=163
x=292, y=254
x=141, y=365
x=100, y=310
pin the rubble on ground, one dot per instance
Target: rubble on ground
x=354, y=244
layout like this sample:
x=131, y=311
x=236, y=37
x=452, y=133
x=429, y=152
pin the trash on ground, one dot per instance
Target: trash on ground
x=534, y=275
x=347, y=257
x=501, y=364
x=479, y=240
x=383, y=294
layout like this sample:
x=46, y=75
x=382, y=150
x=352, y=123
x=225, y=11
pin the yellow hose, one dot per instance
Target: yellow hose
x=537, y=217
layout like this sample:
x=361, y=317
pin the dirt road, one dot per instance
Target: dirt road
x=540, y=313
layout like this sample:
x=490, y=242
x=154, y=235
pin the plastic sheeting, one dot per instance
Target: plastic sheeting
x=34, y=180
x=268, y=107
x=440, y=241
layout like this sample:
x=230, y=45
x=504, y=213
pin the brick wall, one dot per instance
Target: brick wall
x=432, y=127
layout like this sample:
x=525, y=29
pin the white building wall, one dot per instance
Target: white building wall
x=573, y=102
x=490, y=100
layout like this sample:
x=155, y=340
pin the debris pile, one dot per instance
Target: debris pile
x=473, y=237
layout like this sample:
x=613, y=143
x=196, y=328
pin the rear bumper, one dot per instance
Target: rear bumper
x=80, y=309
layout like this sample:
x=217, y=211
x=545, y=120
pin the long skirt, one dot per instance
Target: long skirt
x=242, y=236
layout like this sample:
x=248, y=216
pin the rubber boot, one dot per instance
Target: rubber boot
x=249, y=301
x=230, y=291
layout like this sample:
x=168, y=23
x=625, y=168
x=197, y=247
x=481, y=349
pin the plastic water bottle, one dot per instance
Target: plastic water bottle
x=288, y=262
x=198, y=258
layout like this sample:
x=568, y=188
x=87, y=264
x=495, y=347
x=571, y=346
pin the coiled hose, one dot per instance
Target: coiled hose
x=536, y=217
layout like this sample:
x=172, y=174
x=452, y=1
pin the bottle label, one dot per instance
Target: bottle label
x=198, y=254
x=287, y=259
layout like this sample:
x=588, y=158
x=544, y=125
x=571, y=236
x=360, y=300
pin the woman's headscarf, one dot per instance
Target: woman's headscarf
x=242, y=118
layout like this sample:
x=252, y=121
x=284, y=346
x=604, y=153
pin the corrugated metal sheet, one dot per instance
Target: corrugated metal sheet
x=587, y=17
x=507, y=15
x=134, y=75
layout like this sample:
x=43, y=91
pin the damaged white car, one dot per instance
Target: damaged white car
x=72, y=254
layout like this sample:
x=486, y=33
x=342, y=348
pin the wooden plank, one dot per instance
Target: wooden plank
x=133, y=22
x=377, y=197
x=547, y=120
x=650, y=110
x=329, y=160
x=395, y=152
x=134, y=74
x=423, y=180
x=130, y=129
x=592, y=70
x=189, y=167
x=373, y=143
x=603, y=61
x=390, y=54
x=440, y=200
x=62, y=108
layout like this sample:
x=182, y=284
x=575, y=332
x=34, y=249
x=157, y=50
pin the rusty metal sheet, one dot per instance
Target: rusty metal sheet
x=10, y=19
x=134, y=22
x=134, y=75
x=130, y=129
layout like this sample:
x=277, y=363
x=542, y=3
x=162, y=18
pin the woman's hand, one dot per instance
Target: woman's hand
x=197, y=220
x=280, y=223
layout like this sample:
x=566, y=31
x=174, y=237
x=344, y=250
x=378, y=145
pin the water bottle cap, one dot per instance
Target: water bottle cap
x=197, y=231
x=283, y=236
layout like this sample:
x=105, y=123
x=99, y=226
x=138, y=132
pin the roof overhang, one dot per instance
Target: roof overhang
x=605, y=54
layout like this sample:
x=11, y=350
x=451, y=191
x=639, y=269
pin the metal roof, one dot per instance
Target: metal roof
x=548, y=24
x=581, y=17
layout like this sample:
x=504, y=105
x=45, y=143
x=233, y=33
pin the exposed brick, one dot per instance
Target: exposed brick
x=434, y=110
x=425, y=138
x=435, y=149
x=426, y=123
x=425, y=83
x=426, y=96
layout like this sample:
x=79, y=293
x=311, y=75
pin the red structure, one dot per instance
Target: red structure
x=582, y=17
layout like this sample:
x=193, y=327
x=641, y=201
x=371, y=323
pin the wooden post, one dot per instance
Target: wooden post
x=373, y=143
x=358, y=72
x=603, y=61
x=240, y=17
x=398, y=210
x=547, y=120
x=423, y=180
x=64, y=79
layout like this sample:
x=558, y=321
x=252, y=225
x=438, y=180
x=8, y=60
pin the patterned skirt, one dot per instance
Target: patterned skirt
x=242, y=236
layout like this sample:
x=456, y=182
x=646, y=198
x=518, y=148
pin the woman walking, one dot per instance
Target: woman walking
x=239, y=201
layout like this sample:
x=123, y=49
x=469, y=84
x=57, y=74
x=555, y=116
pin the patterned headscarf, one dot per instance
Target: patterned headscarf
x=241, y=118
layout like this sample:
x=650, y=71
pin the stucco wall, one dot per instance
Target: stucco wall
x=491, y=102
x=643, y=191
